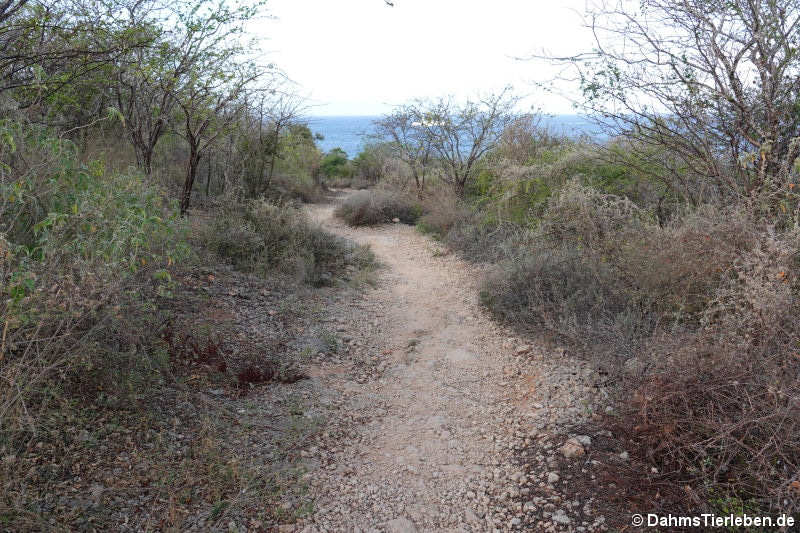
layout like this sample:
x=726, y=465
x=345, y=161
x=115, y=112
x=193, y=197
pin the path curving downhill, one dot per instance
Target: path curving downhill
x=434, y=431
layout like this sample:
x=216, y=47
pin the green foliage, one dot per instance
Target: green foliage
x=83, y=255
x=370, y=163
x=53, y=206
x=267, y=238
x=300, y=157
x=336, y=165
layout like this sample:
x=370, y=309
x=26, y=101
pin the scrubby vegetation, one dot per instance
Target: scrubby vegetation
x=367, y=208
x=141, y=146
x=140, y=151
x=691, y=307
x=263, y=237
x=667, y=255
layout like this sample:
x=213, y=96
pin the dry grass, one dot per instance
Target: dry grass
x=107, y=422
x=698, y=322
x=268, y=238
x=368, y=208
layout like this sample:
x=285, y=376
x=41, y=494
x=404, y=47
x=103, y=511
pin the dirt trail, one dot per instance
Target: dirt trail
x=435, y=430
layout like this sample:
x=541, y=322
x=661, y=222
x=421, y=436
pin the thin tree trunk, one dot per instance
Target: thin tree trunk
x=208, y=176
x=148, y=163
x=188, y=184
x=271, y=170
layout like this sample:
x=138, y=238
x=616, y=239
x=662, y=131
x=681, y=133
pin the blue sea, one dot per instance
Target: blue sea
x=351, y=133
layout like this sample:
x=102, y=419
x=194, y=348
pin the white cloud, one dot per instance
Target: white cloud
x=362, y=56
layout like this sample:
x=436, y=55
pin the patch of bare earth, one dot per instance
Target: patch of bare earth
x=443, y=419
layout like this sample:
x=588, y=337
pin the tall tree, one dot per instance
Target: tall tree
x=47, y=46
x=185, y=39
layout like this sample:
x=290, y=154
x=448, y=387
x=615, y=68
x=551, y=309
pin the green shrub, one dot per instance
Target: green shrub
x=264, y=238
x=84, y=254
x=368, y=208
x=370, y=164
x=336, y=165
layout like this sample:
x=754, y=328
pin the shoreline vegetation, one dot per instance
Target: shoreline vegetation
x=152, y=182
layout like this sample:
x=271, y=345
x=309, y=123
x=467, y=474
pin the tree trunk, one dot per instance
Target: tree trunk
x=208, y=176
x=147, y=160
x=459, y=186
x=188, y=184
x=271, y=170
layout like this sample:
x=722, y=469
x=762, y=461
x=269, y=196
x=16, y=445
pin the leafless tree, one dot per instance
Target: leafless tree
x=525, y=138
x=149, y=78
x=708, y=88
x=461, y=133
x=285, y=109
x=408, y=141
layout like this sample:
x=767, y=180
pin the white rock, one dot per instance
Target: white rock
x=471, y=517
x=401, y=525
x=552, y=477
x=560, y=517
x=572, y=448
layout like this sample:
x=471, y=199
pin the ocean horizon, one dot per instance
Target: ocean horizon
x=351, y=133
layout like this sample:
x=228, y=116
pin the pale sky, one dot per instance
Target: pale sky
x=361, y=57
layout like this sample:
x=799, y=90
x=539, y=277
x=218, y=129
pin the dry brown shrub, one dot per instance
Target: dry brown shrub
x=379, y=206
x=719, y=409
x=443, y=212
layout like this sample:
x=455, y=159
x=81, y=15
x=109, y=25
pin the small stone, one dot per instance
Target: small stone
x=572, y=448
x=585, y=440
x=401, y=525
x=470, y=517
x=633, y=366
x=560, y=517
x=525, y=348
x=624, y=456
x=395, y=220
x=552, y=477
x=96, y=492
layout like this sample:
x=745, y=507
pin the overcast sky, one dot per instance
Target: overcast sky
x=360, y=57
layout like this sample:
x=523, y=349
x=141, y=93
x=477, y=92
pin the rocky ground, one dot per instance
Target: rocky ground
x=443, y=420
x=397, y=407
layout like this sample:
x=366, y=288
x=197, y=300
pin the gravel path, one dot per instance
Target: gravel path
x=446, y=421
